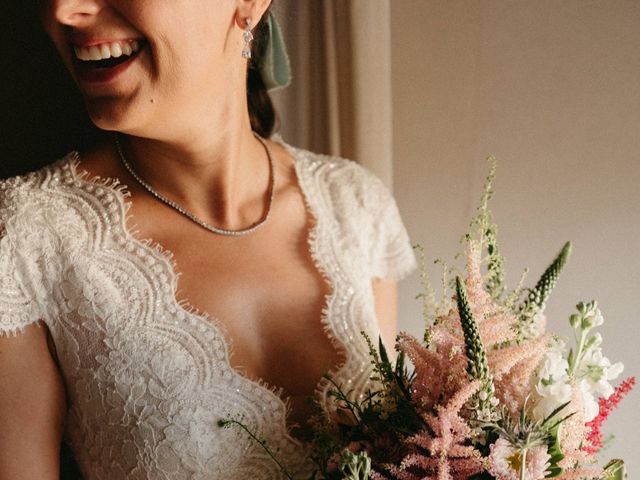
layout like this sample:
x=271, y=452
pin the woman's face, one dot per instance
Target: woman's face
x=148, y=65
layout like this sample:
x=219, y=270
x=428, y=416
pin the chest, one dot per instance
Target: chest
x=275, y=318
x=264, y=291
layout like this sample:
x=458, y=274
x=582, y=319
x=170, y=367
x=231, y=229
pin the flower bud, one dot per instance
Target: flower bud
x=574, y=320
x=594, y=340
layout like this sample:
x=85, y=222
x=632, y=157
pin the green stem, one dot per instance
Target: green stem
x=263, y=444
x=523, y=464
x=578, y=355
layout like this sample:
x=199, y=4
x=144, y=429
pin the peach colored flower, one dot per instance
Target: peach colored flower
x=506, y=460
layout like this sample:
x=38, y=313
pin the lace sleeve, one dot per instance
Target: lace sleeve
x=380, y=228
x=17, y=310
x=392, y=255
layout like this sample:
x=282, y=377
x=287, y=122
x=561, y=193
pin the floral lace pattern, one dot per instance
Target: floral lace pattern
x=147, y=377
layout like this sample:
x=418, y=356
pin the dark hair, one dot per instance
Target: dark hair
x=261, y=111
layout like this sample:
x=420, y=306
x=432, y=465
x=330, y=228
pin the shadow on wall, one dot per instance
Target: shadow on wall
x=43, y=115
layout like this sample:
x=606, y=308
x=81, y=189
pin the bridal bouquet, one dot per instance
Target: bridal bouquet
x=490, y=395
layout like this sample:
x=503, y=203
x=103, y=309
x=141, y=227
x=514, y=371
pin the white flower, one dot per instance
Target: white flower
x=505, y=461
x=593, y=373
x=593, y=318
x=549, y=398
x=553, y=387
x=590, y=407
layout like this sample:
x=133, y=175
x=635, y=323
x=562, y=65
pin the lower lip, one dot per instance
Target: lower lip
x=103, y=75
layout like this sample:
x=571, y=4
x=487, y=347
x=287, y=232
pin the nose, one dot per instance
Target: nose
x=74, y=12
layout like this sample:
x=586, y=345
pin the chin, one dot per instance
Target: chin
x=111, y=115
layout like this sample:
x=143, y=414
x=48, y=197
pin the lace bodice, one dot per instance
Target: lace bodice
x=148, y=378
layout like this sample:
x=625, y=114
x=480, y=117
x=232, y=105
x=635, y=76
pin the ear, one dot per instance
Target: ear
x=253, y=9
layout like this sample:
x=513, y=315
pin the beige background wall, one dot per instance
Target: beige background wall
x=552, y=88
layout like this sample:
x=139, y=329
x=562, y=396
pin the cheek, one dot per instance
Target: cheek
x=187, y=62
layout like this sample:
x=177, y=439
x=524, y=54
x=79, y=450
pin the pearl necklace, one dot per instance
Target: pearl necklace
x=191, y=216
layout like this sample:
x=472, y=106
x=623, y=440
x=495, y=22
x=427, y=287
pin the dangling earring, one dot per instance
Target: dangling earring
x=248, y=37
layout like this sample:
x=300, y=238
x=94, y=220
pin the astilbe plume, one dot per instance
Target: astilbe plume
x=573, y=431
x=576, y=464
x=437, y=371
x=606, y=406
x=441, y=450
x=514, y=386
x=581, y=473
x=512, y=365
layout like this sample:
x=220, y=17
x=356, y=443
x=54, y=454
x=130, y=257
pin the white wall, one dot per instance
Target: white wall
x=552, y=88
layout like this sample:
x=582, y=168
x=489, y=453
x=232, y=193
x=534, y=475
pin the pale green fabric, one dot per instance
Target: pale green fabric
x=275, y=68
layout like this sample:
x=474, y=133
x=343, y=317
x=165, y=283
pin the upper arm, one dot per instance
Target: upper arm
x=385, y=293
x=32, y=407
x=32, y=397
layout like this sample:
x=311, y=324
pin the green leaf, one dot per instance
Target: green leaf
x=614, y=470
x=553, y=448
x=555, y=412
x=384, y=357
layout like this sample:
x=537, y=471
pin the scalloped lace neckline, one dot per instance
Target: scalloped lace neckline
x=165, y=256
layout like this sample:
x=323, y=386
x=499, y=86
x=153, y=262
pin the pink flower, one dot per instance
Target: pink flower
x=606, y=406
x=505, y=461
x=442, y=451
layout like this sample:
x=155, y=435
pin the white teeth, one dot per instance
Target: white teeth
x=107, y=50
x=94, y=53
x=116, y=50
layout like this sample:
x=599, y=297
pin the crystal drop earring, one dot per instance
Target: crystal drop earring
x=248, y=37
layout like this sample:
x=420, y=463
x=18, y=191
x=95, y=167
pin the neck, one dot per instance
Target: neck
x=219, y=174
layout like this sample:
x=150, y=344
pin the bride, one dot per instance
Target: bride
x=189, y=268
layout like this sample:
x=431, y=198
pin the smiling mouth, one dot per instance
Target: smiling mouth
x=107, y=55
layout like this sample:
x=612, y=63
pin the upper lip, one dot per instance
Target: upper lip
x=79, y=40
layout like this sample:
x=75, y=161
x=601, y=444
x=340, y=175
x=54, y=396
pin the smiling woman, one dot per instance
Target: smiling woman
x=188, y=265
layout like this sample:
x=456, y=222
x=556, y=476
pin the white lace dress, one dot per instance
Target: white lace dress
x=147, y=378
